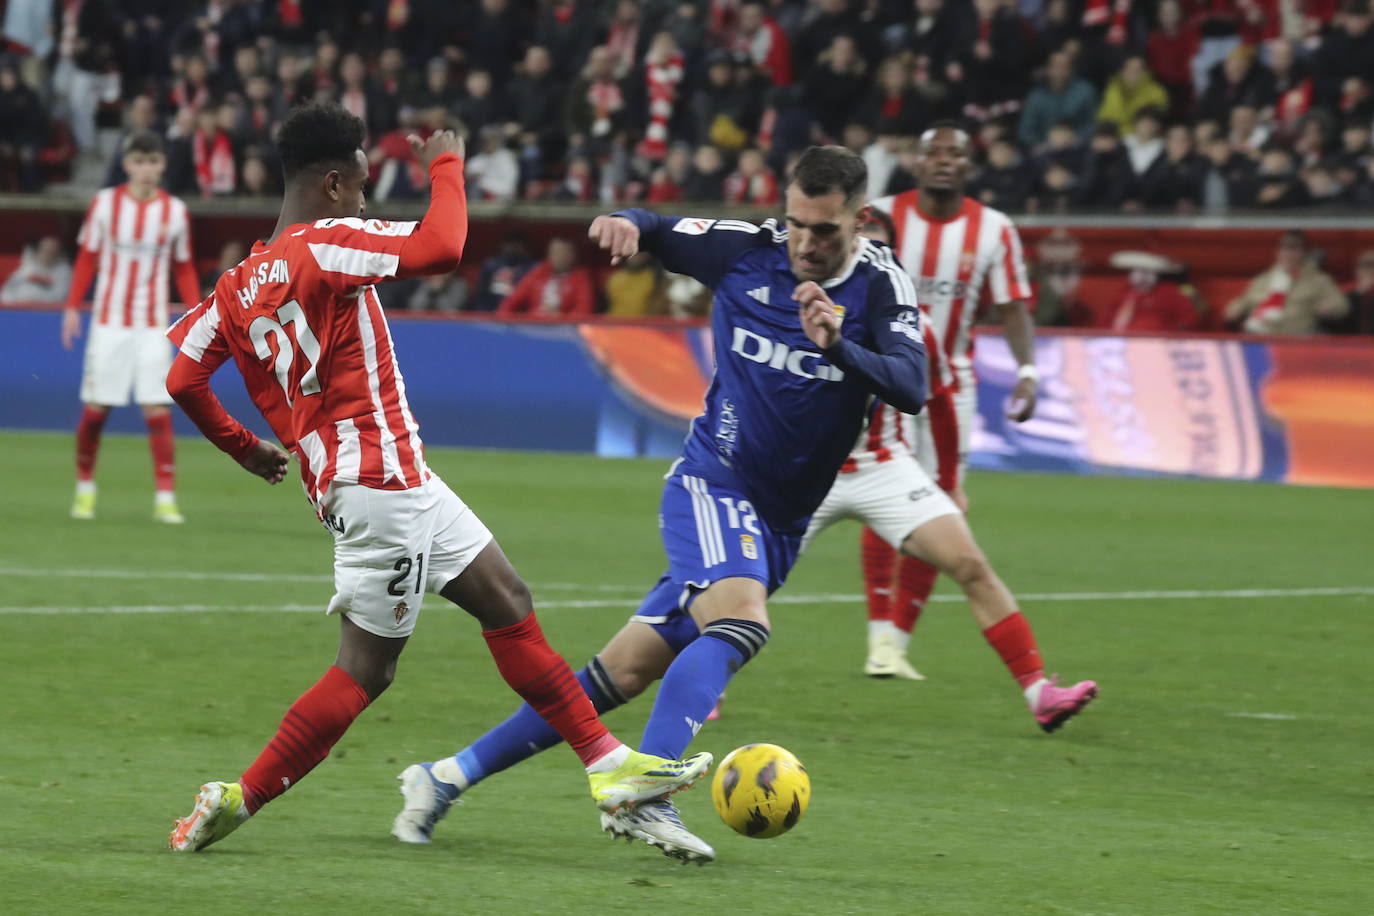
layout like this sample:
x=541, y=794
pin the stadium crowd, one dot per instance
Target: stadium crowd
x=1077, y=105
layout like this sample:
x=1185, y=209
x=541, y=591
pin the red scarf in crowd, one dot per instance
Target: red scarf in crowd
x=214, y=159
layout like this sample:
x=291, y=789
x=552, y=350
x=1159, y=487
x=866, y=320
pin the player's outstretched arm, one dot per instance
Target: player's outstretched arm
x=436, y=245
x=617, y=235
x=703, y=249
x=897, y=370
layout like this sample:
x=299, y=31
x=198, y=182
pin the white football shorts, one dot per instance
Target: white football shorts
x=120, y=361
x=393, y=546
x=894, y=498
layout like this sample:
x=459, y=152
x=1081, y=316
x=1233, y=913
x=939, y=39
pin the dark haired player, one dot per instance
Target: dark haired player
x=809, y=323
x=301, y=319
x=132, y=234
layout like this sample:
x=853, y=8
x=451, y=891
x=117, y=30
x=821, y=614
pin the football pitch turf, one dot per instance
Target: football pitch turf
x=1228, y=766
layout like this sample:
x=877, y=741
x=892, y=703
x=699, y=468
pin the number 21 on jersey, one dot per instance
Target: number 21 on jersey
x=272, y=342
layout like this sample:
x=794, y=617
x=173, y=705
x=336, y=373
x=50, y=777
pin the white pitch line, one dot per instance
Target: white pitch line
x=153, y=575
x=581, y=604
x=1271, y=716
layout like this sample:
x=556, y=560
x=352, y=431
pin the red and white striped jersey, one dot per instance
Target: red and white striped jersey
x=301, y=318
x=951, y=261
x=134, y=243
x=889, y=432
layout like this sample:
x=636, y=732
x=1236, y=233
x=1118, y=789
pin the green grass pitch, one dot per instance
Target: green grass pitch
x=1226, y=768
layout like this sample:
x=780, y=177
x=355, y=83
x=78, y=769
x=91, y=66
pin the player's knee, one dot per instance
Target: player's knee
x=748, y=637
x=624, y=681
x=969, y=568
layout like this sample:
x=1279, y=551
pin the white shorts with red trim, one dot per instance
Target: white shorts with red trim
x=124, y=361
x=894, y=498
x=393, y=546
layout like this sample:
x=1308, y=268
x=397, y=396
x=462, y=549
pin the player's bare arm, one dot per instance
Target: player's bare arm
x=71, y=327
x=268, y=461
x=1019, y=330
x=616, y=235
x=819, y=319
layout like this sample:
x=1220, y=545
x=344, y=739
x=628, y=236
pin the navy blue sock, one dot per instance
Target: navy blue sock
x=695, y=681
x=526, y=733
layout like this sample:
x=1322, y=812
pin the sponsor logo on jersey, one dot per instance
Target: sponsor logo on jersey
x=691, y=226
x=400, y=610
x=748, y=546
x=935, y=288
x=907, y=322
x=760, y=294
x=727, y=430
x=776, y=355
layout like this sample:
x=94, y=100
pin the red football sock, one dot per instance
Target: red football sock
x=88, y=441
x=163, y=446
x=310, y=728
x=915, y=581
x=877, y=557
x=1012, y=638
x=544, y=680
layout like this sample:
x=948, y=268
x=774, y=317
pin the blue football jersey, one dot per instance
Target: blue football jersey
x=781, y=415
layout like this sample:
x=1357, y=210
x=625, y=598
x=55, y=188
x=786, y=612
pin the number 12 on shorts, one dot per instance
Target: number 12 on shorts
x=399, y=586
x=740, y=513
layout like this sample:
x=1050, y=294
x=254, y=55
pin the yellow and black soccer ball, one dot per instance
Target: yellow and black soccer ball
x=761, y=790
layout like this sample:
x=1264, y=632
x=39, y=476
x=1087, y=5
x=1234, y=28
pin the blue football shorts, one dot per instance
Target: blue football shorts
x=709, y=532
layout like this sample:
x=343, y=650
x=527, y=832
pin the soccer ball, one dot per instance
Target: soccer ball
x=761, y=790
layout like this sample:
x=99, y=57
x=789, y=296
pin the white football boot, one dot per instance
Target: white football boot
x=658, y=823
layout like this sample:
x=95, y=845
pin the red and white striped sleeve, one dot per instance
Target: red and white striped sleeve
x=198, y=335
x=1007, y=280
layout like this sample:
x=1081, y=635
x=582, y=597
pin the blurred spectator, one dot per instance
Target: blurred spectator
x=180, y=177
x=932, y=32
x=834, y=83
x=993, y=66
x=1061, y=97
x=1314, y=137
x=1354, y=153
x=1292, y=85
x=892, y=106
x=1169, y=51
x=445, y=293
x=1246, y=132
x=830, y=19
x=596, y=108
x=1227, y=178
x=1132, y=89
x=322, y=79
x=1107, y=180
x=1277, y=184
x=1324, y=192
x=635, y=288
x=43, y=276
x=1175, y=181
x=1346, y=50
x=213, y=154
x=706, y=180
x=1359, y=319
x=1143, y=144
x=579, y=181
x=537, y=112
x=881, y=158
x=1056, y=170
x=763, y=43
x=725, y=112
x=1055, y=276
x=256, y=177
x=495, y=36
x=482, y=104
x=261, y=114
x=568, y=29
x=360, y=96
x=667, y=181
x=1003, y=184
x=191, y=86
x=230, y=254
x=554, y=287
x=494, y=172
x=623, y=42
x=89, y=35
x=664, y=68
x=1289, y=297
x=1147, y=303
x=751, y=184
x=438, y=91
x=1238, y=80
x=23, y=126
x=502, y=271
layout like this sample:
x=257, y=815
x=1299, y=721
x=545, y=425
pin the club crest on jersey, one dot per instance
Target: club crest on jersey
x=401, y=610
x=966, y=262
x=839, y=311
x=692, y=226
x=748, y=546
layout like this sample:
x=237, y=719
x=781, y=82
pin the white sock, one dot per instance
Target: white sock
x=878, y=628
x=85, y=486
x=1033, y=692
x=165, y=498
x=610, y=761
x=902, y=636
x=448, y=770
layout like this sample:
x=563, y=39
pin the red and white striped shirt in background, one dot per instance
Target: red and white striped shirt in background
x=952, y=260
x=130, y=245
x=891, y=433
x=302, y=320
